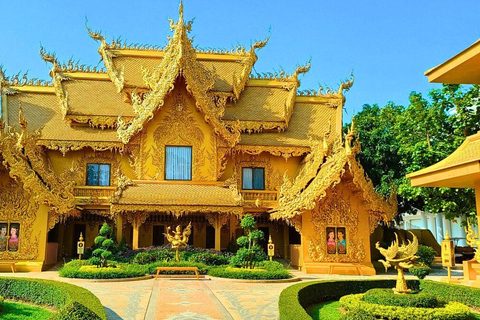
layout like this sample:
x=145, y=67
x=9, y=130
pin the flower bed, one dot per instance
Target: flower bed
x=295, y=299
x=72, y=302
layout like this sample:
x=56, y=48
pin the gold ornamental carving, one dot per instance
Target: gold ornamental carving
x=179, y=59
x=178, y=239
x=400, y=257
x=336, y=211
x=16, y=206
x=179, y=127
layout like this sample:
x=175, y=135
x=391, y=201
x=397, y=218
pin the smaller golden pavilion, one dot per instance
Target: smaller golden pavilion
x=461, y=169
x=178, y=135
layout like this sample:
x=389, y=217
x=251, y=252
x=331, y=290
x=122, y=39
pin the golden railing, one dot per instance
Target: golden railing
x=93, y=195
x=263, y=195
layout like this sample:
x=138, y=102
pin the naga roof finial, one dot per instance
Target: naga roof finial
x=95, y=35
x=48, y=57
x=346, y=85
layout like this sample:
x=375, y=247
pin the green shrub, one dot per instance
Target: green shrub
x=105, y=244
x=420, y=272
x=1, y=304
x=250, y=252
x=425, y=255
x=81, y=269
x=152, y=267
x=388, y=298
x=451, y=311
x=147, y=257
x=295, y=299
x=210, y=259
x=267, y=270
x=62, y=296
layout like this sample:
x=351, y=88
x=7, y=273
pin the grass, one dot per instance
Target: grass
x=328, y=310
x=20, y=311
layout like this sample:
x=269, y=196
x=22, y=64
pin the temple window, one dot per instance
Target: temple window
x=178, y=163
x=253, y=178
x=98, y=174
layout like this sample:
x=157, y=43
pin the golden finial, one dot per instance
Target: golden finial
x=180, y=11
x=81, y=237
x=349, y=137
x=447, y=236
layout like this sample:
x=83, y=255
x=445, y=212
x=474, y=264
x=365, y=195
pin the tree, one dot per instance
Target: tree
x=105, y=244
x=397, y=141
x=250, y=251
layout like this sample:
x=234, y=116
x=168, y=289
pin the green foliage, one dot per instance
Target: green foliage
x=1, y=304
x=426, y=255
x=232, y=245
x=420, y=272
x=295, y=299
x=251, y=274
x=210, y=259
x=396, y=141
x=102, y=254
x=81, y=269
x=328, y=310
x=21, y=311
x=147, y=257
x=53, y=293
x=387, y=297
x=451, y=311
x=250, y=252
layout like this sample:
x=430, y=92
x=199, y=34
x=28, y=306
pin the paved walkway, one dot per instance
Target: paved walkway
x=192, y=299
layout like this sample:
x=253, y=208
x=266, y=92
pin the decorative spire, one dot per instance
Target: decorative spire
x=349, y=137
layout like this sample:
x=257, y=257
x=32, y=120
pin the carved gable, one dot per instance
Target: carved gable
x=178, y=123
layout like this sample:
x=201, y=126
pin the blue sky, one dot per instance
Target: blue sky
x=387, y=44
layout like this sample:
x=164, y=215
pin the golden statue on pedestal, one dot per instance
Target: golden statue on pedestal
x=400, y=257
x=178, y=239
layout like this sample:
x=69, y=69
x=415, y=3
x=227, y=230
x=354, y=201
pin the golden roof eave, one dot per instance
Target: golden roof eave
x=463, y=68
x=461, y=169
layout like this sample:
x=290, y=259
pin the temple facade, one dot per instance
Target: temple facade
x=168, y=136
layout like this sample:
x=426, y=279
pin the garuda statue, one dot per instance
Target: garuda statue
x=178, y=239
x=400, y=257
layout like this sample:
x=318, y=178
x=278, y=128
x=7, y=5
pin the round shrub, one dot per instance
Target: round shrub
x=387, y=297
x=425, y=255
x=421, y=272
x=451, y=311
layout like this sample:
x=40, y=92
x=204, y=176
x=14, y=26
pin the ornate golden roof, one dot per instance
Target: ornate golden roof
x=320, y=172
x=82, y=105
x=175, y=197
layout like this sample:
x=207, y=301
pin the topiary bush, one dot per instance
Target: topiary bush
x=420, y=272
x=425, y=255
x=72, y=302
x=105, y=244
x=250, y=252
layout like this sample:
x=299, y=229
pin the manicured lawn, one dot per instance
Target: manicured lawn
x=20, y=311
x=328, y=310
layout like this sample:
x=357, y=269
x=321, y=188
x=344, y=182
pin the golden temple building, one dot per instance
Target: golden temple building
x=167, y=136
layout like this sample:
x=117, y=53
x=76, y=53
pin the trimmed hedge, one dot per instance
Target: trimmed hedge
x=295, y=299
x=83, y=270
x=354, y=303
x=72, y=302
x=387, y=297
x=267, y=270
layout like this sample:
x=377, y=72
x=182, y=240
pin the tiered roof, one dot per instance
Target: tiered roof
x=103, y=109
